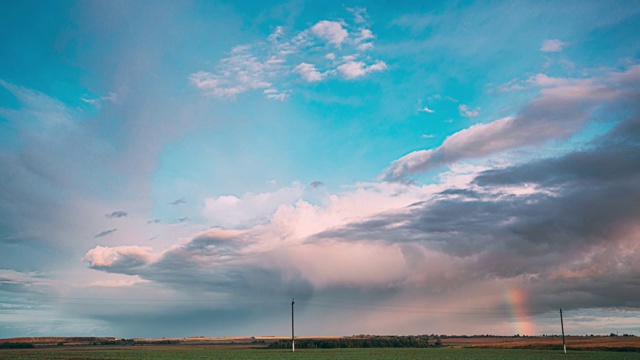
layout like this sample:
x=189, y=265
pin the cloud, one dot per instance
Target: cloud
x=365, y=34
x=58, y=117
x=127, y=282
x=530, y=227
x=97, y=102
x=535, y=220
x=117, y=214
x=250, y=208
x=416, y=22
x=365, y=46
x=359, y=14
x=308, y=72
x=179, y=201
x=275, y=94
x=563, y=107
x=273, y=256
x=467, y=112
x=240, y=72
x=105, y=233
x=355, y=69
x=330, y=31
x=12, y=281
x=427, y=136
x=316, y=184
x=119, y=259
x=426, y=109
x=270, y=65
x=552, y=45
x=509, y=86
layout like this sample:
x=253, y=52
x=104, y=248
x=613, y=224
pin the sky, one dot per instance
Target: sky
x=186, y=168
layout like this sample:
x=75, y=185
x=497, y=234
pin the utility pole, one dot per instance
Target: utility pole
x=562, y=326
x=293, y=341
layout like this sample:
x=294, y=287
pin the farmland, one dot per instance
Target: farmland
x=582, y=347
x=188, y=352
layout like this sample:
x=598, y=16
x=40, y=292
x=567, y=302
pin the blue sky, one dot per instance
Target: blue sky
x=390, y=165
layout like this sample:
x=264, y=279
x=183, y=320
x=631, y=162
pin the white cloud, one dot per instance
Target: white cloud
x=308, y=72
x=378, y=66
x=240, y=72
x=270, y=65
x=428, y=136
x=365, y=46
x=91, y=101
x=356, y=69
x=119, y=281
x=102, y=256
x=97, y=102
x=467, y=112
x=348, y=58
x=330, y=31
x=509, y=86
x=364, y=35
x=359, y=14
x=276, y=34
x=274, y=94
x=352, y=69
x=229, y=210
x=426, y=109
x=552, y=45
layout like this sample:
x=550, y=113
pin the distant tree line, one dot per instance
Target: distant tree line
x=16, y=346
x=134, y=342
x=420, y=341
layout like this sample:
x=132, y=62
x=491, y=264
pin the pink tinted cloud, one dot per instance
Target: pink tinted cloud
x=563, y=107
x=330, y=31
x=103, y=256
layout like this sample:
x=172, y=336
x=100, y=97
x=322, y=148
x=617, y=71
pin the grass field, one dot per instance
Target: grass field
x=203, y=352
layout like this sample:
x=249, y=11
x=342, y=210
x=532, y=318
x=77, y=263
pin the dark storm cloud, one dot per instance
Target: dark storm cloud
x=117, y=214
x=614, y=156
x=105, y=233
x=575, y=234
x=211, y=261
x=214, y=262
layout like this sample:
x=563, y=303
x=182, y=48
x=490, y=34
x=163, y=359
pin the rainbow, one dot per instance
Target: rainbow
x=516, y=299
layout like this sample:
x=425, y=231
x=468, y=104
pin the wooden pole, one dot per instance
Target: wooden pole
x=293, y=341
x=562, y=326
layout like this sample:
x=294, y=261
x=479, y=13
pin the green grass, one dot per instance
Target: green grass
x=159, y=353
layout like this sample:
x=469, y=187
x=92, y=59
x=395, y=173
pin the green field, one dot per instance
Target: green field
x=188, y=353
